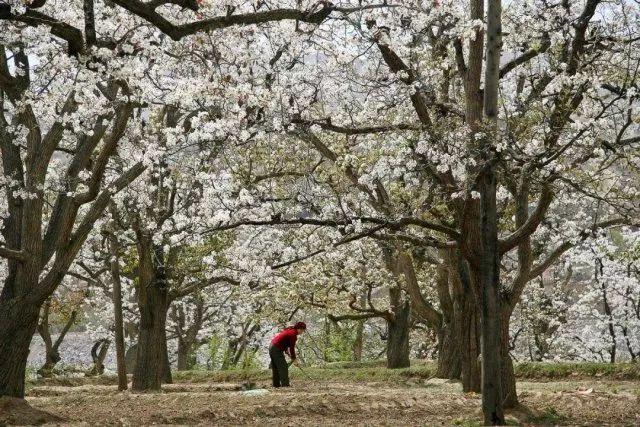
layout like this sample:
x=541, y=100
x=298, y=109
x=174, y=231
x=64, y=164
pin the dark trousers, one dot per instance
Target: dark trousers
x=279, y=367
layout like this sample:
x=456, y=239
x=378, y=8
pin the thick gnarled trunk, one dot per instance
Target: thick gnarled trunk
x=449, y=352
x=152, y=362
x=358, y=343
x=460, y=335
x=98, y=355
x=470, y=373
x=151, y=359
x=18, y=322
x=185, y=357
x=52, y=354
x=398, y=337
x=459, y=347
x=510, y=397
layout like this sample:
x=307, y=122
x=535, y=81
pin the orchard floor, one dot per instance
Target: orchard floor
x=329, y=402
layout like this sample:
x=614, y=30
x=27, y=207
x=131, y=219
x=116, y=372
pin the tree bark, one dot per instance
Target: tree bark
x=449, y=351
x=359, y=341
x=459, y=345
x=187, y=334
x=151, y=358
x=167, y=377
x=490, y=312
x=510, y=396
x=183, y=356
x=117, y=309
x=98, y=354
x=450, y=331
x=470, y=345
x=152, y=362
x=398, y=338
x=18, y=322
x=52, y=353
x=51, y=357
x=489, y=269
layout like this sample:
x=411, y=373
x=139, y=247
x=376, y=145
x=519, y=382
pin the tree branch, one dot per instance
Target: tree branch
x=526, y=56
x=531, y=224
x=33, y=18
x=327, y=125
x=175, y=294
x=177, y=32
x=13, y=254
x=541, y=267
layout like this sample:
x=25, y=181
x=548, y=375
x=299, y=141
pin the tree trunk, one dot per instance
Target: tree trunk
x=460, y=336
x=459, y=347
x=449, y=351
x=130, y=357
x=240, y=351
x=18, y=322
x=121, y=363
x=52, y=353
x=117, y=309
x=489, y=269
x=490, y=312
x=167, y=377
x=184, y=354
x=152, y=361
x=470, y=347
x=98, y=354
x=229, y=352
x=510, y=398
x=398, y=338
x=151, y=368
x=51, y=357
x=449, y=332
x=359, y=342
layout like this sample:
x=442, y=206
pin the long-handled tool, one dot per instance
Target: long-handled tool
x=303, y=371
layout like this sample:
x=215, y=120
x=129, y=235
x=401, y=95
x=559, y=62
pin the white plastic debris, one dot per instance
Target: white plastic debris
x=256, y=392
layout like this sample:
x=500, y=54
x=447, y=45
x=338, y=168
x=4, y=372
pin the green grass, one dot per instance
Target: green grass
x=549, y=417
x=325, y=373
x=227, y=376
x=545, y=370
x=375, y=371
x=515, y=417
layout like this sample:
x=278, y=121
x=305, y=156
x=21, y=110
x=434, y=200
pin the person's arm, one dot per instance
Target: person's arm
x=292, y=352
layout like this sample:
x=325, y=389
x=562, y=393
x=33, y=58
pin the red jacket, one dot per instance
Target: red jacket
x=286, y=341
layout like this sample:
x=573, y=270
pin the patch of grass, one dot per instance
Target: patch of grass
x=380, y=363
x=74, y=381
x=358, y=372
x=477, y=422
x=467, y=422
x=548, y=417
x=371, y=371
x=230, y=375
x=526, y=370
x=546, y=370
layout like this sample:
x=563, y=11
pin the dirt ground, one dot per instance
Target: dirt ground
x=329, y=403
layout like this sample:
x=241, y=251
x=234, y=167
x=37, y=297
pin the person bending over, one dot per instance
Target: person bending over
x=284, y=342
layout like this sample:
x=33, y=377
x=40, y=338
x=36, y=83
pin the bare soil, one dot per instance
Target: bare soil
x=18, y=411
x=331, y=403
